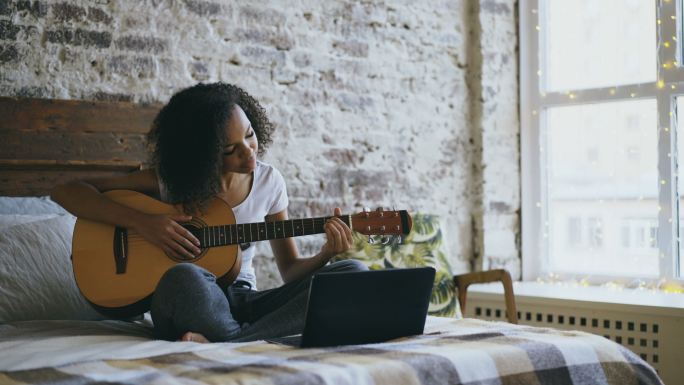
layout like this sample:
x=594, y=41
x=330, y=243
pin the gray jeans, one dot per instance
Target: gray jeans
x=187, y=298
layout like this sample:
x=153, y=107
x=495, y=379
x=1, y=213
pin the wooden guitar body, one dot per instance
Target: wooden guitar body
x=117, y=270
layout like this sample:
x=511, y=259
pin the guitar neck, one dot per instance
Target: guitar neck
x=213, y=236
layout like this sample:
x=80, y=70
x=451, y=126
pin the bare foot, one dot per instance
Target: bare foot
x=194, y=337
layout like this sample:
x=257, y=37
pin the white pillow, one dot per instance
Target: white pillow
x=30, y=205
x=36, y=279
x=7, y=220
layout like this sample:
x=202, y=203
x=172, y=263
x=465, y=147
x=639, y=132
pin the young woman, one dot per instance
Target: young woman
x=204, y=144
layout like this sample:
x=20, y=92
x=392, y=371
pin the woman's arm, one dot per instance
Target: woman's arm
x=84, y=199
x=291, y=266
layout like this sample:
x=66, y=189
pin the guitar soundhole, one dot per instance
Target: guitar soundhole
x=194, y=226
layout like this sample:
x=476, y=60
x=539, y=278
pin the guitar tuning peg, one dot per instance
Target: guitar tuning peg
x=385, y=240
x=400, y=241
x=366, y=209
x=371, y=240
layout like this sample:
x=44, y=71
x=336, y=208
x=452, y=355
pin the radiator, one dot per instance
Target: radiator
x=653, y=328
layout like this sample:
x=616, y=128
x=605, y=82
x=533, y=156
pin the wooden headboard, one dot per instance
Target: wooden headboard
x=44, y=142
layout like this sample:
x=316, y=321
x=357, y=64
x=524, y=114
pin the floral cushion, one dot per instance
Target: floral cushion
x=423, y=246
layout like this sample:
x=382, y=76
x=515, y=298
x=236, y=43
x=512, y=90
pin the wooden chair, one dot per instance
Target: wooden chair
x=462, y=281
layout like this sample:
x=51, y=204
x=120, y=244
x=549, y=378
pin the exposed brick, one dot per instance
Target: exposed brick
x=80, y=37
x=137, y=66
x=352, y=102
x=35, y=8
x=99, y=16
x=8, y=53
x=302, y=59
x=33, y=92
x=141, y=43
x=263, y=16
x=8, y=31
x=68, y=12
x=352, y=48
x=278, y=40
x=344, y=156
x=199, y=71
x=263, y=57
x=203, y=8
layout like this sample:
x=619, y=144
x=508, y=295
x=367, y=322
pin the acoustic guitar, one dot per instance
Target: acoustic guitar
x=117, y=270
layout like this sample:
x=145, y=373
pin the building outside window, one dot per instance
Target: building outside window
x=600, y=90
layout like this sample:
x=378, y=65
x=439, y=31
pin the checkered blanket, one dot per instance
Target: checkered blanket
x=451, y=351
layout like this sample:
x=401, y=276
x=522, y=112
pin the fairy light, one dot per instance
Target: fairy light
x=646, y=286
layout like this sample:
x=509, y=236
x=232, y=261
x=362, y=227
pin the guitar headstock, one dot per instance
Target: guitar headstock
x=381, y=222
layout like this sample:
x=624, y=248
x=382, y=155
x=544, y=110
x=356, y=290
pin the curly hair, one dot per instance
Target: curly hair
x=188, y=136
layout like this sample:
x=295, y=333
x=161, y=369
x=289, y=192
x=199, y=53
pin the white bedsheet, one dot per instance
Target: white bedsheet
x=37, y=344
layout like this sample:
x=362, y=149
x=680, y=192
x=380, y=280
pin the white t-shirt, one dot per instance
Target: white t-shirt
x=268, y=196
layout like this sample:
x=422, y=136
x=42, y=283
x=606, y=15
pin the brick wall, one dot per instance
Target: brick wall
x=407, y=104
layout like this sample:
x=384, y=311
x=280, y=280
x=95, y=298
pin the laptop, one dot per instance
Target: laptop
x=364, y=307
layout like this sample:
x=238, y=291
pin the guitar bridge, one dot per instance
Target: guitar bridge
x=120, y=249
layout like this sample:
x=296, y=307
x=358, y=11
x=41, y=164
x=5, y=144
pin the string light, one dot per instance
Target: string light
x=662, y=286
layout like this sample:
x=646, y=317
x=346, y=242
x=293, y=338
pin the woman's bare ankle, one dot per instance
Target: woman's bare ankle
x=194, y=337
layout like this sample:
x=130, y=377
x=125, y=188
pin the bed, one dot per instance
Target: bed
x=50, y=335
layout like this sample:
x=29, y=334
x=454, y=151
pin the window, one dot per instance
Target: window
x=601, y=84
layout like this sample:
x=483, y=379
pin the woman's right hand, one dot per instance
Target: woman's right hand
x=165, y=232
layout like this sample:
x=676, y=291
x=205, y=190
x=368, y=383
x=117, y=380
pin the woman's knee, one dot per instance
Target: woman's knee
x=184, y=274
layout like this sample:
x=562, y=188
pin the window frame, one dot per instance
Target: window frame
x=669, y=84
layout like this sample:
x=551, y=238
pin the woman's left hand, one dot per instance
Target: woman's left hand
x=339, y=236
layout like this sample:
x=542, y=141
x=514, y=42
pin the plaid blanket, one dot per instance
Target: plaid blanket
x=451, y=351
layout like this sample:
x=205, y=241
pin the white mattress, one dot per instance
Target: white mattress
x=37, y=344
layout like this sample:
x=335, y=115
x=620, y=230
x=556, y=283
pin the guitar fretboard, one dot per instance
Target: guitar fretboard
x=213, y=236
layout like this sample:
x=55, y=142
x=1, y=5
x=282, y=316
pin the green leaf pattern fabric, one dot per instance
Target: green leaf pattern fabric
x=423, y=246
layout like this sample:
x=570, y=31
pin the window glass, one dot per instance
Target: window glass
x=680, y=177
x=598, y=43
x=602, y=188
